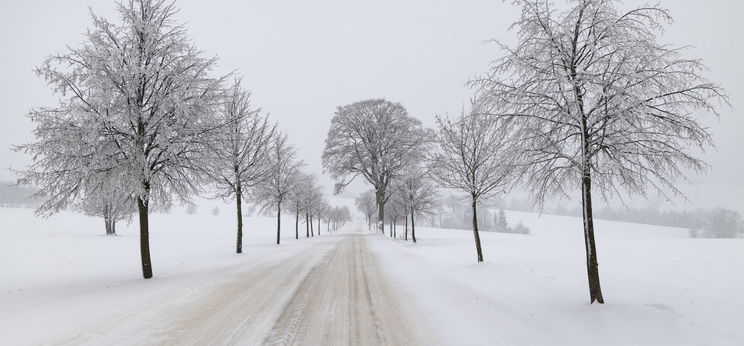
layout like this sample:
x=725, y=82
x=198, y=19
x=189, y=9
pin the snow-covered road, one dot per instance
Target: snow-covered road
x=330, y=293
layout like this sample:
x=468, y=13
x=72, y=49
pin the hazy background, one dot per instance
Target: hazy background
x=302, y=59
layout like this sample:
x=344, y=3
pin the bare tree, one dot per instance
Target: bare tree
x=470, y=159
x=366, y=204
x=109, y=201
x=295, y=198
x=310, y=200
x=597, y=102
x=283, y=178
x=321, y=210
x=241, y=151
x=395, y=209
x=375, y=139
x=418, y=195
x=338, y=217
x=139, y=87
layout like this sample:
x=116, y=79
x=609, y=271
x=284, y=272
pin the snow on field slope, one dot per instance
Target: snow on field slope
x=660, y=288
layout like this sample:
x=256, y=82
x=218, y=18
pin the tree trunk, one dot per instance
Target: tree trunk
x=297, y=224
x=142, y=207
x=592, y=265
x=380, y=199
x=278, y=221
x=239, y=215
x=107, y=223
x=475, y=231
x=395, y=230
x=406, y=232
x=107, y=218
x=307, y=227
x=113, y=225
x=413, y=228
x=318, y=225
x=312, y=231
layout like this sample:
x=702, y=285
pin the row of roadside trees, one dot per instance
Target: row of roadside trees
x=143, y=122
x=587, y=99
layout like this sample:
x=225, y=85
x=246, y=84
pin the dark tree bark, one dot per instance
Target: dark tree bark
x=413, y=228
x=312, y=231
x=307, y=226
x=297, y=224
x=278, y=220
x=143, y=208
x=475, y=231
x=406, y=232
x=239, y=208
x=380, y=199
x=318, y=225
x=107, y=223
x=592, y=265
x=395, y=229
x=107, y=219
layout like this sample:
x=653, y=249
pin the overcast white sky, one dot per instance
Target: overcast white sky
x=301, y=59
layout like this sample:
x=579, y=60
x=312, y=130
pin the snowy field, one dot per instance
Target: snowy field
x=61, y=275
x=660, y=287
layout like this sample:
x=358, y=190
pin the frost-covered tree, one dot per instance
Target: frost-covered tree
x=241, y=151
x=136, y=102
x=295, y=198
x=366, y=204
x=310, y=198
x=108, y=201
x=338, y=217
x=321, y=210
x=283, y=178
x=375, y=139
x=599, y=104
x=418, y=195
x=395, y=209
x=471, y=159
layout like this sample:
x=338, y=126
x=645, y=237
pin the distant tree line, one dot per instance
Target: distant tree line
x=702, y=223
x=13, y=195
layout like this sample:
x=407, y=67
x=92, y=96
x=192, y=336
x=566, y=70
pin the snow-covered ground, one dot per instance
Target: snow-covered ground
x=60, y=276
x=660, y=287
